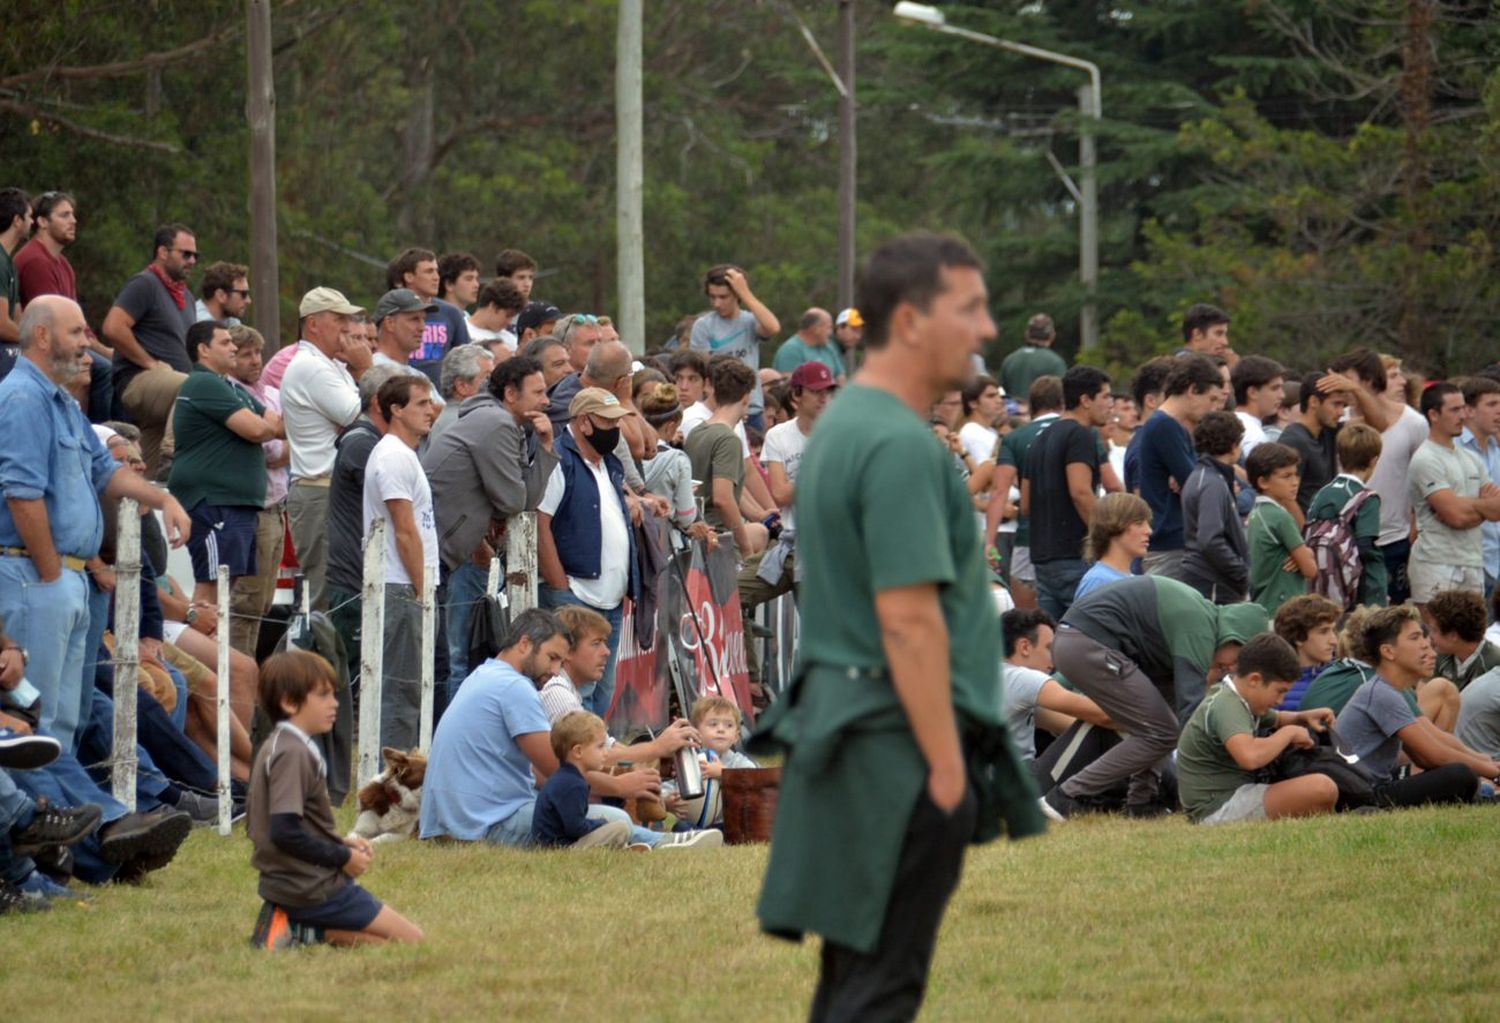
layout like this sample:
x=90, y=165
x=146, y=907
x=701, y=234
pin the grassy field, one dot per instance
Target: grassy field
x=1388, y=917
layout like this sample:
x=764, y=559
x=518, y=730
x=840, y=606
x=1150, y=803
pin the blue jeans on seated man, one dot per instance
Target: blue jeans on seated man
x=466, y=585
x=597, y=697
x=515, y=830
x=16, y=808
x=51, y=620
x=96, y=747
x=65, y=783
x=1056, y=581
x=161, y=734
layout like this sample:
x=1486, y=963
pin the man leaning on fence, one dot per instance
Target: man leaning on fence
x=483, y=470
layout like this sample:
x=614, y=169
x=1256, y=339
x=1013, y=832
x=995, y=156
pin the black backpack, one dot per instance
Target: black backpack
x=1355, y=790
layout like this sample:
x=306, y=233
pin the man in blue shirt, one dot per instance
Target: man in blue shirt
x=1166, y=458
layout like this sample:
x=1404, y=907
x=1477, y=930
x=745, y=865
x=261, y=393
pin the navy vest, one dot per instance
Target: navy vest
x=576, y=528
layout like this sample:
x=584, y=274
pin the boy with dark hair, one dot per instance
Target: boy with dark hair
x=1377, y=724
x=1358, y=450
x=717, y=454
x=1216, y=560
x=306, y=870
x=1307, y=623
x=1280, y=562
x=1455, y=620
x=737, y=325
x=519, y=268
x=1059, y=485
x=1258, y=384
x=1314, y=436
x=498, y=304
x=1033, y=698
x=458, y=279
x=1164, y=454
x=1205, y=331
x=561, y=818
x=1219, y=754
x=417, y=269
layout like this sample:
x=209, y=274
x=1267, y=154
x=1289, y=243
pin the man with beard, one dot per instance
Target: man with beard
x=148, y=327
x=897, y=751
x=483, y=471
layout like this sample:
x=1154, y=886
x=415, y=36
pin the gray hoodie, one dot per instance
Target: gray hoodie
x=480, y=470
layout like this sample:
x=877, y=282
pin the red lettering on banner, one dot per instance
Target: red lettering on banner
x=719, y=659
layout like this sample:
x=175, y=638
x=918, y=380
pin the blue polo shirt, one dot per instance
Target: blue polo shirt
x=1490, y=456
x=477, y=775
x=50, y=453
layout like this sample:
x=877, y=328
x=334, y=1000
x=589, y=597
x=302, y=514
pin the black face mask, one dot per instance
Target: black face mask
x=605, y=441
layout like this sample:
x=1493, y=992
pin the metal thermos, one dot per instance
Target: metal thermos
x=689, y=773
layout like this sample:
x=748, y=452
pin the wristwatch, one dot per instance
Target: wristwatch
x=191, y=616
x=25, y=657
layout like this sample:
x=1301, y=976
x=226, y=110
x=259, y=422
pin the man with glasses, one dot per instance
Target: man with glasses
x=148, y=327
x=579, y=334
x=226, y=294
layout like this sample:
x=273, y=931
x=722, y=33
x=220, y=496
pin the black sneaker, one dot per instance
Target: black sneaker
x=53, y=825
x=27, y=752
x=202, y=809
x=1059, y=808
x=13, y=900
x=1148, y=811
x=147, y=840
x=56, y=861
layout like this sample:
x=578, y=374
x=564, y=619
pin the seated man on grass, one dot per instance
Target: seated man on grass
x=1307, y=623
x=1033, y=698
x=1455, y=621
x=1220, y=752
x=1436, y=699
x=1377, y=725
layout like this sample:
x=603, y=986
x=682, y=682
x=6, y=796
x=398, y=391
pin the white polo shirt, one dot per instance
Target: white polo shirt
x=318, y=399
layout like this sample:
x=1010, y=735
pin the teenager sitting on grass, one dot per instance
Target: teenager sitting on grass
x=1377, y=725
x=1220, y=752
x=561, y=817
x=1455, y=621
x=307, y=870
x=1436, y=699
x=1119, y=533
x=1033, y=699
x=1307, y=623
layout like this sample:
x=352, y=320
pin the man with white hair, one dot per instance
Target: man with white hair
x=464, y=372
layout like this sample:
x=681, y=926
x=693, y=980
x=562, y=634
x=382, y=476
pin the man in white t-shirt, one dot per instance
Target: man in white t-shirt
x=1258, y=384
x=319, y=398
x=499, y=303
x=773, y=572
x=397, y=493
x=1032, y=696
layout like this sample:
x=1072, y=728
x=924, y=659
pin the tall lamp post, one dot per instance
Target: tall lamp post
x=1090, y=105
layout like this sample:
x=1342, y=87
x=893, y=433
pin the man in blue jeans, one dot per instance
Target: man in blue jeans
x=585, y=543
x=1059, y=485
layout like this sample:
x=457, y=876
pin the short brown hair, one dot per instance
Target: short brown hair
x=397, y=391
x=582, y=623
x=1359, y=445
x=1382, y=626
x=406, y=263
x=707, y=705
x=1267, y=458
x=1460, y=612
x=730, y=378
x=221, y=277
x=1113, y=514
x=245, y=337
x=575, y=728
x=1298, y=616
x=292, y=677
x=511, y=260
x=1045, y=394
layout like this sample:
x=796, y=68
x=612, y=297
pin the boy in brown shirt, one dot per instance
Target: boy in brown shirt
x=306, y=870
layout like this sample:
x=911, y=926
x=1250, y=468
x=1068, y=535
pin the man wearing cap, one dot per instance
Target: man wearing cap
x=849, y=332
x=536, y=320
x=318, y=399
x=585, y=546
x=1035, y=357
x=400, y=320
x=773, y=573
x=811, y=344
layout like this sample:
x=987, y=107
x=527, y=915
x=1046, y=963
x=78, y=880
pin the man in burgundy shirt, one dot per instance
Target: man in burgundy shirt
x=42, y=269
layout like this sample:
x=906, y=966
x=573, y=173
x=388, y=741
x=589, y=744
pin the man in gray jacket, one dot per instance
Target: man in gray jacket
x=1216, y=562
x=482, y=471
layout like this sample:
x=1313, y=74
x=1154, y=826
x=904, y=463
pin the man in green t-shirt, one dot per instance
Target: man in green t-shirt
x=813, y=342
x=718, y=457
x=897, y=752
x=1219, y=752
x=15, y=227
x=219, y=471
x=1033, y=359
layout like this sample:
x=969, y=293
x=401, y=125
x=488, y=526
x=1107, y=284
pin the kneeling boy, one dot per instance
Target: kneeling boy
x=307, y=870
x=1219, y=753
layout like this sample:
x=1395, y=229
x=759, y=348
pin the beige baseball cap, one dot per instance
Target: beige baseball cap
x=326, y=300
x=596, y=401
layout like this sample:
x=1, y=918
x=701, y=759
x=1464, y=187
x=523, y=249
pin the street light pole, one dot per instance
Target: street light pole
x=1091, y=106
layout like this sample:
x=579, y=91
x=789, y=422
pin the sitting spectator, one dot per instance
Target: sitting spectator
x=1436, y=699
x=464, y=372
x=1033, y=699
x=1219, y=753
x=1455, y=622
x=1216, y=555
x=561, y=816
x=307, y=872
x=1307, y=623
x=1119, y=534
x=1280, y=562
x=1479, y=719
x=718, y=721
x=1377, y=725
x=1359, y=452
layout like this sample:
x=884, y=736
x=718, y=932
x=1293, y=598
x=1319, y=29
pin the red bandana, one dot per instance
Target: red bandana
x=177, y=289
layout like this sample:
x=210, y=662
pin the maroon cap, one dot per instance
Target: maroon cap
x=813, y=376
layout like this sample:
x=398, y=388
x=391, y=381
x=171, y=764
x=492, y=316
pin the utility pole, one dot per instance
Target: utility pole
x=261, y=112
x=630, y=244
x=848, y=154
x=1088, y=218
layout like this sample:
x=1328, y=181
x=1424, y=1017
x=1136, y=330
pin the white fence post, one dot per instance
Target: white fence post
x=429, y=650
x=127, y=651
x=222, y=709
x=521, y=562
x=372, y=654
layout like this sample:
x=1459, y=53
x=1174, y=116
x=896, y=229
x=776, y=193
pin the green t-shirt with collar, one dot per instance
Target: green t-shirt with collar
x=213, y=464
x=1272, y=535
x=1206, y=774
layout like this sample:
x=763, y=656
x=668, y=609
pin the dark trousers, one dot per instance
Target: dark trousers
x=1451, y=783
x=888, y=984
x=1396, y=555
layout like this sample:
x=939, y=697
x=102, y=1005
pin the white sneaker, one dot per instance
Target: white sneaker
x=706, y=839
